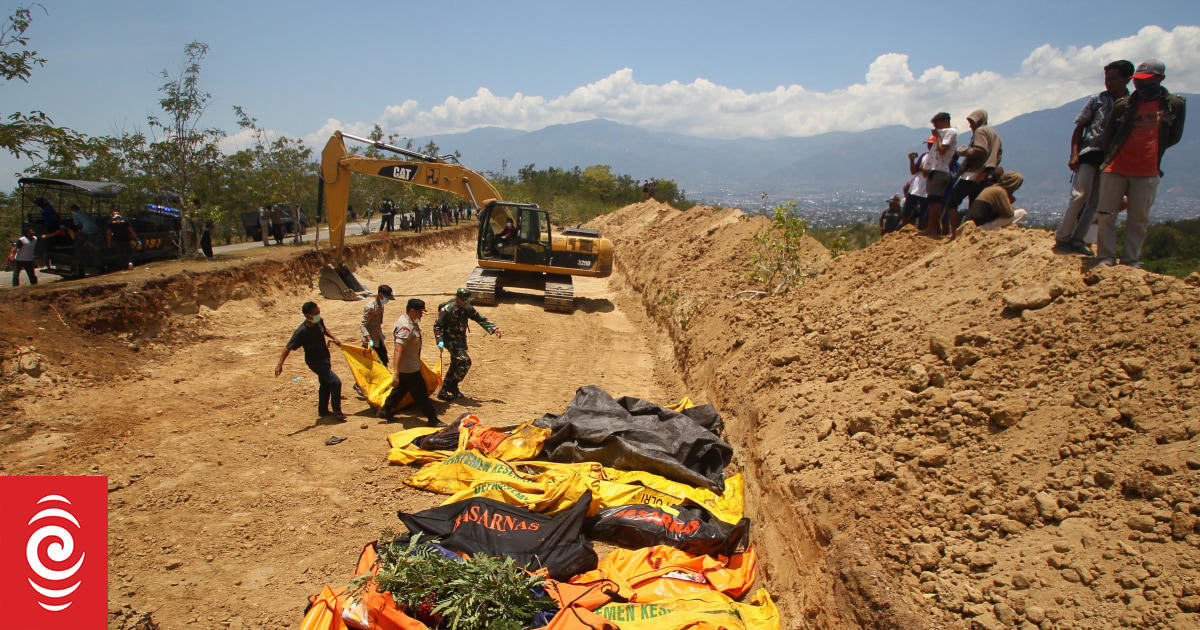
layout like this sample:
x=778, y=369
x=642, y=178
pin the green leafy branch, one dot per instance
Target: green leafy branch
x=485, y=592
x=778, y=253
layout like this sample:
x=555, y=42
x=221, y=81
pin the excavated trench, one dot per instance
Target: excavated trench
x=182, y=323
x=679, y=270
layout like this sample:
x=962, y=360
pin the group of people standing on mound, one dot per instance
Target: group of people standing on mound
x=1116, y=159
x=948, y=174
x=404, y=362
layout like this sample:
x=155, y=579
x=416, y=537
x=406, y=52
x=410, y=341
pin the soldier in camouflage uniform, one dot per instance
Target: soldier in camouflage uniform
x=450, y=329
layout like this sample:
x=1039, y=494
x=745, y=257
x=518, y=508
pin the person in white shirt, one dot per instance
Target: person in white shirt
x=937, y=169
x=23, y=258
x=916, y=195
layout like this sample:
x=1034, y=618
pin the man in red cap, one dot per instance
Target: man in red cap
x=1140, y=129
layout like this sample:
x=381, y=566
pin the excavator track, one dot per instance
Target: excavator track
x=560, y=294
x=482, y=285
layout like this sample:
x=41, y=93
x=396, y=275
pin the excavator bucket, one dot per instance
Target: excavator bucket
x=339, y=284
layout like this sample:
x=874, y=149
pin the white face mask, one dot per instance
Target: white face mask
x=316, y=319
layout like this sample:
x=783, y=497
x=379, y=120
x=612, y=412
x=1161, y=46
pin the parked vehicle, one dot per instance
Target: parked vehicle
x=65, y=249
x=254, y=230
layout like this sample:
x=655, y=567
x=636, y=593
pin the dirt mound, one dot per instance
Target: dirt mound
x=970, y=434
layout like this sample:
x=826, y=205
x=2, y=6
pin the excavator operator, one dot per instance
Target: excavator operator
x=508, y=238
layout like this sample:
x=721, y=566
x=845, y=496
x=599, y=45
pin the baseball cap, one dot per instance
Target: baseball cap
x=1150, y=68
x=415, y=303
x=463, y=293
x=385, y=291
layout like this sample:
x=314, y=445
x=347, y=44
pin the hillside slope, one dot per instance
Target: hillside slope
x=977, y=434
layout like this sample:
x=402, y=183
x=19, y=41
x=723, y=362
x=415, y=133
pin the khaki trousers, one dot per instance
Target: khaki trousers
x=1140, y=190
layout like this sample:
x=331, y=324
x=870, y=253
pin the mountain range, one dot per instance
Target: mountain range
x=873, y=161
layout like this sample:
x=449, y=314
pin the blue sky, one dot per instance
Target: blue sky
x=701, y=68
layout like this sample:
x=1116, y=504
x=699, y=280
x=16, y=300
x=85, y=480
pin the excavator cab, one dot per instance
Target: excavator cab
x=528, y=242
x=533, y=232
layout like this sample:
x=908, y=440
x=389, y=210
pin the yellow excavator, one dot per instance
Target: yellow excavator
x=515, y=245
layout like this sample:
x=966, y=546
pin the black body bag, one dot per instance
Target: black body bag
x=491, y=527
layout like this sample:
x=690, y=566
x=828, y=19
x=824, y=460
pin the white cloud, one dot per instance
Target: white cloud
x=891, y=93
x=245, y=138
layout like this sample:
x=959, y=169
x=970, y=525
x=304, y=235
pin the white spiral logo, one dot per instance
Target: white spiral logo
x=59, y=551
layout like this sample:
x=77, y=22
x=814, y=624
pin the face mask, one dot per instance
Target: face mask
x=384, y=300
x=316, y=319
x=1149, y=91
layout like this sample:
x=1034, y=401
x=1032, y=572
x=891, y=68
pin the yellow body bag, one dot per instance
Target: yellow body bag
x=375, y=380
x=655, y=573
x=512, y=442
x=698, y=611
x=551, y=488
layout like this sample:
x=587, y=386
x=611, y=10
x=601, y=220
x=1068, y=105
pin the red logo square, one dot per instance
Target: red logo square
x=54, y=553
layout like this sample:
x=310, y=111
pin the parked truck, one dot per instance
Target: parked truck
x=254, y=229
x=65, y=246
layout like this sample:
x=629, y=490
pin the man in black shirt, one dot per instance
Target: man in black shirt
x=121, y=237
x=311, y=336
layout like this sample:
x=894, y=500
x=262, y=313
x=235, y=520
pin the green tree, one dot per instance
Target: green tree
x=1171, y=247
x=31, y=134
x=599, y=181
x=284, y=165
x=576, y=195
x=184, y=147
x=668, y=192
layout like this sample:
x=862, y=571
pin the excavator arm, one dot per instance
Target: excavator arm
x=337, y=165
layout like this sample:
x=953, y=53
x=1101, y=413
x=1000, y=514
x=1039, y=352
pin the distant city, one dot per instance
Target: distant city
x=832, y=210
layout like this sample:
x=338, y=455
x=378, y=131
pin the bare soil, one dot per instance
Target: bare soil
x=973, y=434
x=226, y=507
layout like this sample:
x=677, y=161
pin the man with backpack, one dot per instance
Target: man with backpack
x=1141, y=127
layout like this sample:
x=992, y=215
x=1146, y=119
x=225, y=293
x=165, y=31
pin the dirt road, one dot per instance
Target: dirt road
x=226, y=508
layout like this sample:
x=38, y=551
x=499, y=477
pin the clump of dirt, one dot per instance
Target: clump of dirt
x=974, y=434
x=126, y=618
